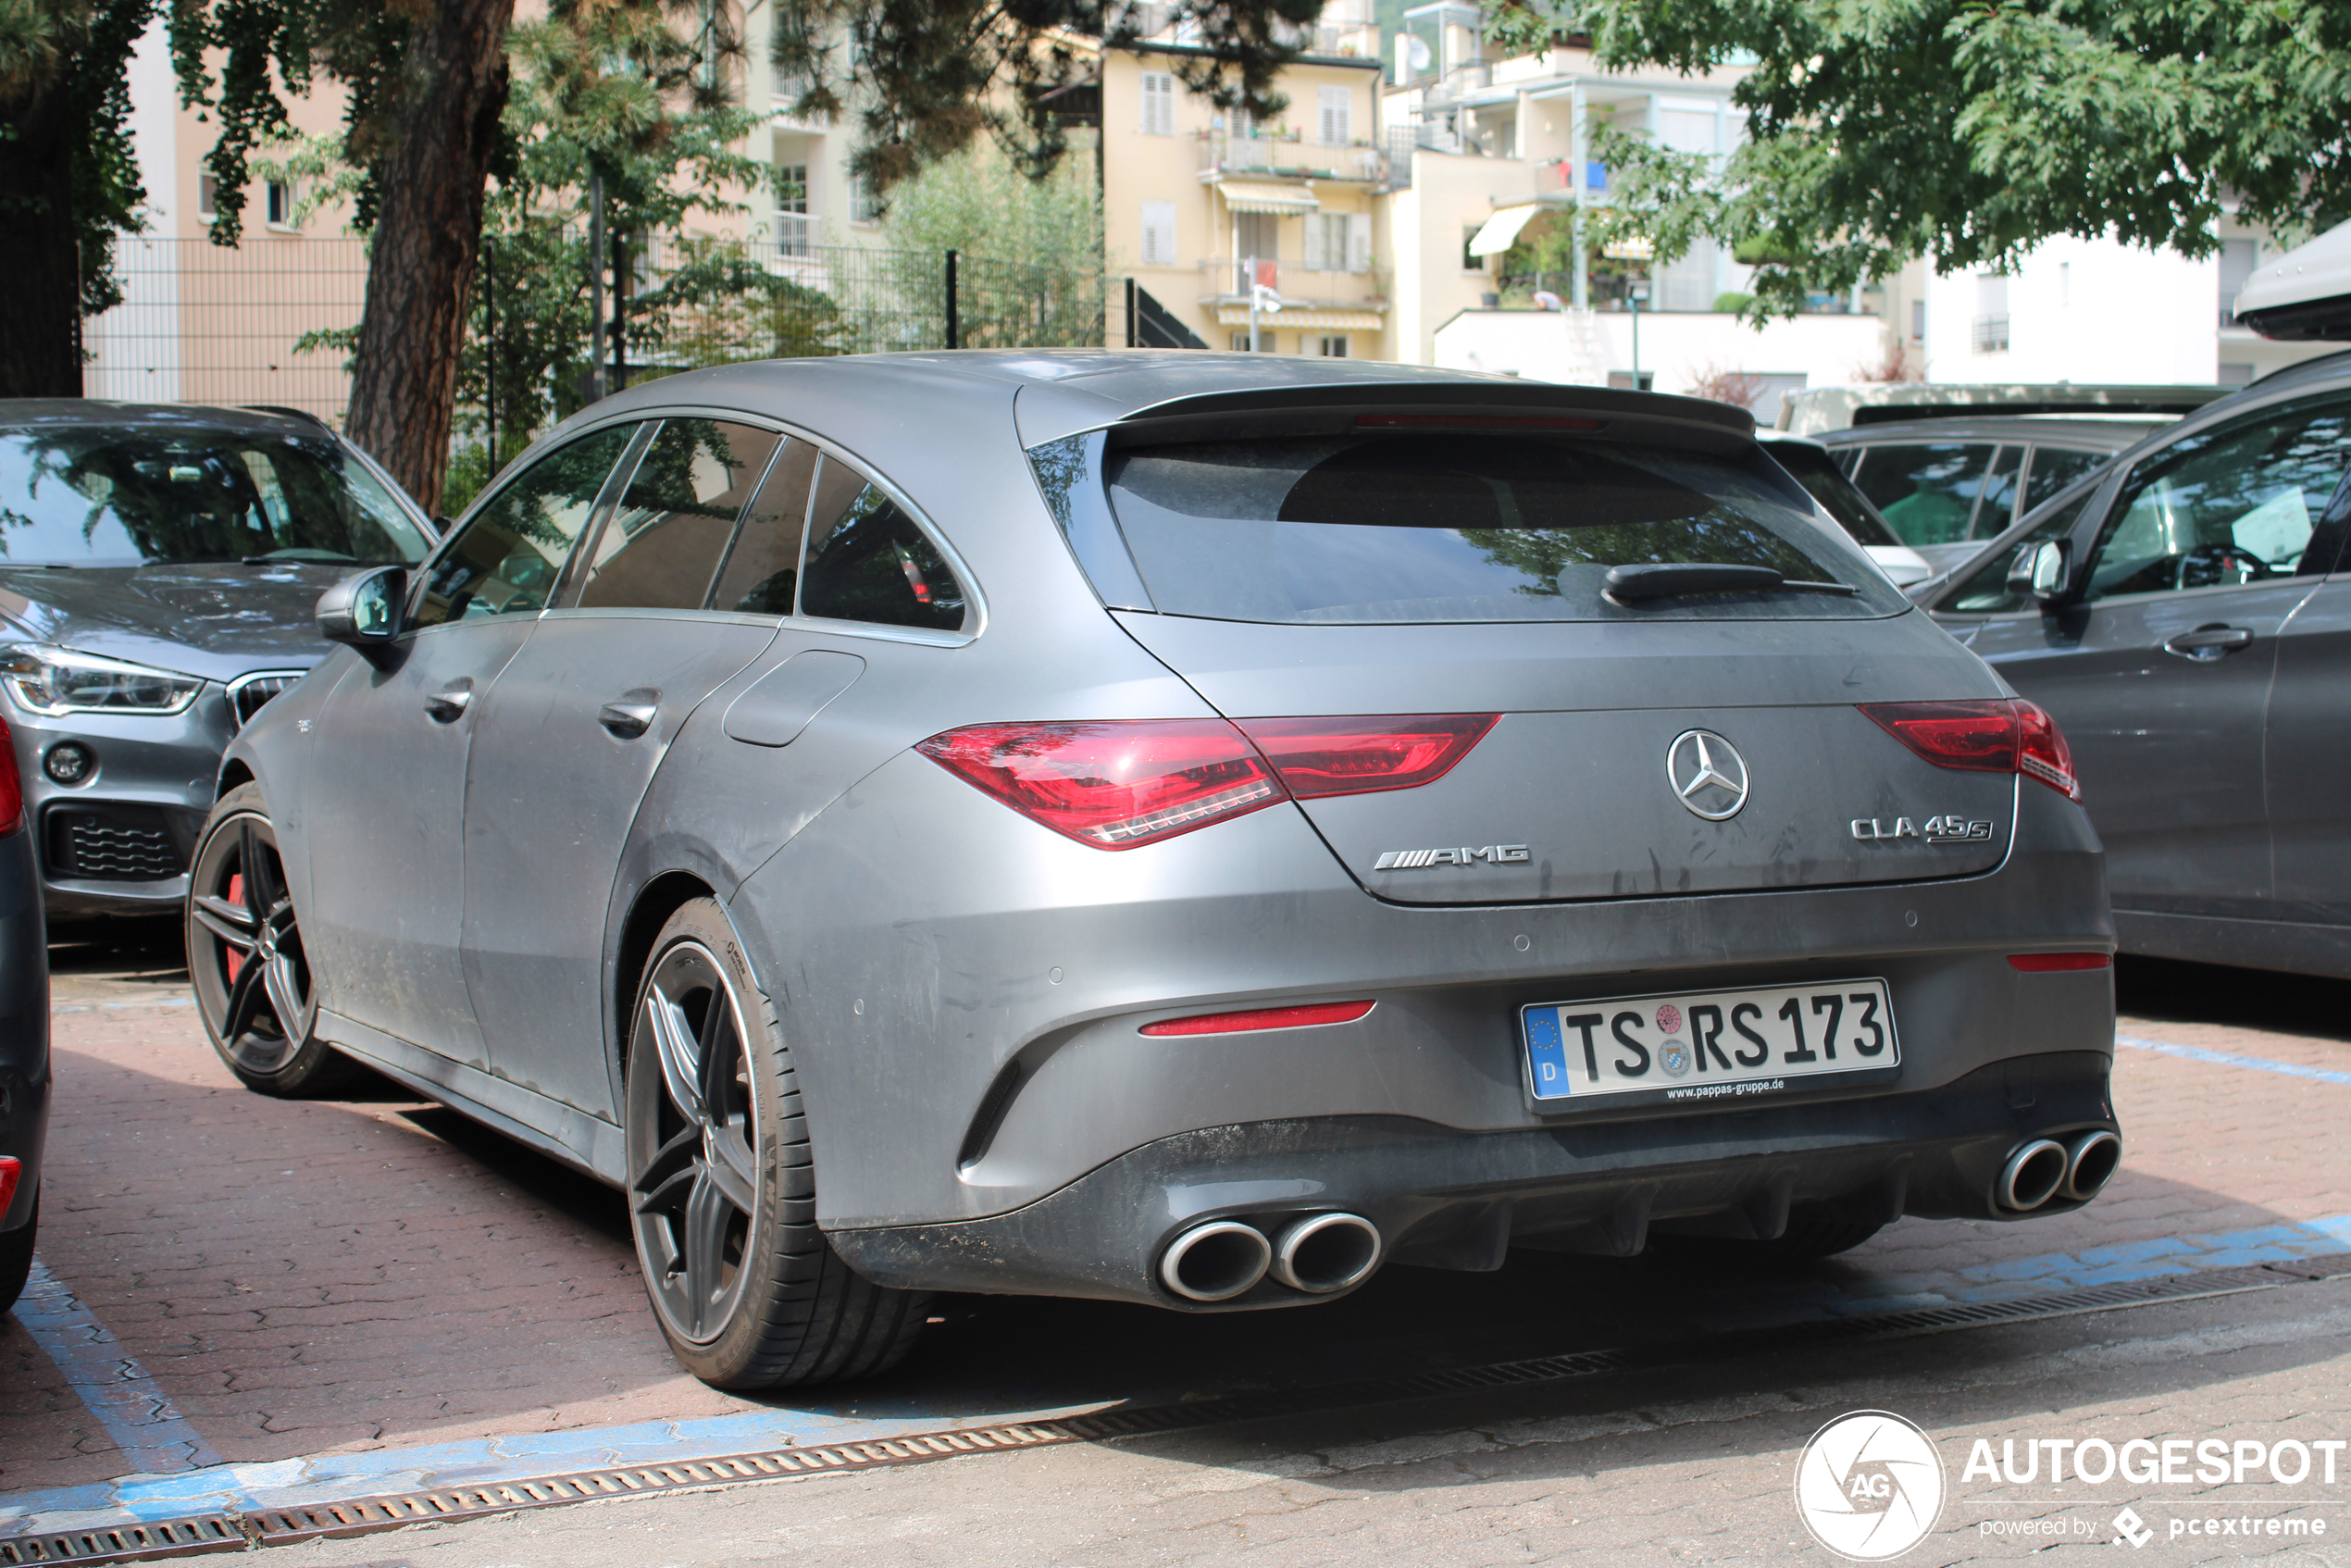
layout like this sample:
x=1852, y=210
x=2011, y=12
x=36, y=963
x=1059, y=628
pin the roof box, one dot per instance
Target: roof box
x=2304, y=296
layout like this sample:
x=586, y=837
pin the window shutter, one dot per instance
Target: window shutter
x=1159, y=233
x=1359, y=242
x=1314, y=252
x=1159, y=104
x=1336, y=125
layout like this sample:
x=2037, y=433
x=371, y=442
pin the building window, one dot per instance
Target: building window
x=1159, y=102
x=1991, y=334
x=277, y=200
x=1339, y=242
x=1335, y=127
x=1266, y=340
x=1159, y=234
x=1334, y=346
x=1471, y=262
x=792, y=236
x=864, y=205
x=207, y=197
x=1918, y=321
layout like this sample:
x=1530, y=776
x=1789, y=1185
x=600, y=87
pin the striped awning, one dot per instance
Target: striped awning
x=1303, y=318
x=1252, y=195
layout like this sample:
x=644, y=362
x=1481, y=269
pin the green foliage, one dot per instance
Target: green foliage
x=930, y=76
x=1972, y=129
x=67, y=63
x=979, y=203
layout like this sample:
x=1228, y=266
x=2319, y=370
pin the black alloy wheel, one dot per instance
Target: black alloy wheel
x=722, y=1192
x=252, y=978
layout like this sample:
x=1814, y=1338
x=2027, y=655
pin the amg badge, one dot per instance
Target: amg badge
x=1413, y=860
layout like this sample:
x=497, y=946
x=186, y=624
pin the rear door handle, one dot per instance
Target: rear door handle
x=628, y=720
x=2207, y=643
x=448, y=706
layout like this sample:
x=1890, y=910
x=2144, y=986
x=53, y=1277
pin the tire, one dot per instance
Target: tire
x=722, y=1193
x=16, y=1257
x=254, y=985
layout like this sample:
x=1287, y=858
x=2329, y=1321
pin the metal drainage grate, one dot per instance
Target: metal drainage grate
x=224, y=1532
x=168, y=1538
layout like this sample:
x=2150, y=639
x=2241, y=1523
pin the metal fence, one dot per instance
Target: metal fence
x=204, y=324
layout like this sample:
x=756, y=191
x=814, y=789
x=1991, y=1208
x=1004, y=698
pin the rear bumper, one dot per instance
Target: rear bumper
x=1454, y=1200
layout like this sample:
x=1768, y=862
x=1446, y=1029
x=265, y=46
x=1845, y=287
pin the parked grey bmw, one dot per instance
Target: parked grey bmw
x=158, y=567
x=1167, y=827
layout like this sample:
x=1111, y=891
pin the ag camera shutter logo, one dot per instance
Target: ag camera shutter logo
x=1870, y=1485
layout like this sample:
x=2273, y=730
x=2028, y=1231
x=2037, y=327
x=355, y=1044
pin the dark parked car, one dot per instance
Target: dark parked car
x=159, y=570
x=2186, y=615
x=1170, y=827
x=24, y=1036
x=1945, y=485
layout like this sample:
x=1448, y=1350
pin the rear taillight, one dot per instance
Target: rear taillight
x=1308, y=1016
x=11, y=1169
x=2058, y=962
x=1356, y=757
x=11, y=785
x=1984, y=734
x=1113, y=783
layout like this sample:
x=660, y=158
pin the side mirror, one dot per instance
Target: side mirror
x=362, y=610
x=2039, y=572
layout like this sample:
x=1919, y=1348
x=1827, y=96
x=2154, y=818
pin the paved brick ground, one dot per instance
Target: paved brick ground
x=312, y=1277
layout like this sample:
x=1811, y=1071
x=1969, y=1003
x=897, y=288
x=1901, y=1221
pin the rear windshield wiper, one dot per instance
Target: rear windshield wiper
x=1675, y=580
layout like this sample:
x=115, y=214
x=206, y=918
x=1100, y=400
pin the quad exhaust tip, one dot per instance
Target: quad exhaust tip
x=2091, y=1163
x=2036, y=1171
x=1321, y=1253
x=1216, y=1262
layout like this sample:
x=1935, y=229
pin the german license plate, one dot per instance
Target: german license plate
x=1708, y=1046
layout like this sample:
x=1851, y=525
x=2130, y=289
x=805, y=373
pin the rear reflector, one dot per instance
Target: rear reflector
x=1262, y=1018
x=1355, y=756
x=1984, y=734
x=2053, y=963
x=11, y=1169
x=1113, y=783
x=1481, y=421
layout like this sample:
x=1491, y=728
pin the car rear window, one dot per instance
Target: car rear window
x=1438, y=526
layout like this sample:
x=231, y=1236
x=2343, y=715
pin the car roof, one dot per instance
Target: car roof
x=1062, y=392
x=22, y=411
x=2092, y=433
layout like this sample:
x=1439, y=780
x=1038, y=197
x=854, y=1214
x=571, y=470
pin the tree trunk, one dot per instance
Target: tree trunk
x=40, y=308
x=428, y=239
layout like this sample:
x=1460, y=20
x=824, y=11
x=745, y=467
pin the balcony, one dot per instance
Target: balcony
x=1990, y=335
x=1228, y=282
x=1288, y=157
x=1351, y=41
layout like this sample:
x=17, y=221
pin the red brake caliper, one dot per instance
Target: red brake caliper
x=236, y=895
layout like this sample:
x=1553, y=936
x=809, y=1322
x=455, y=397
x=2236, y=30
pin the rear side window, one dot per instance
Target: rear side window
x=1465, y=526
x=867, y=561
x=660, y=547
x=1814, y=469
x=762, y=566
x=1925, y=490
x=2054, y=467
x=505, y=559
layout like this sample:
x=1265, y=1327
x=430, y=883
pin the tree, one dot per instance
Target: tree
x=1971, y=130
x=68, y=181
x=930, y=75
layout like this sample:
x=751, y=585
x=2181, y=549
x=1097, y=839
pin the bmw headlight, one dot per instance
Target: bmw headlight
x=53, y=681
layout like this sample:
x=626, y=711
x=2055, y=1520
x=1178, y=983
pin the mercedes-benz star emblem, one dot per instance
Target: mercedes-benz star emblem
x=1708, y=774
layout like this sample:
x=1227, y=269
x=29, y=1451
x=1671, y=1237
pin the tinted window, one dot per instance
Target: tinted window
x=1987, y=590
x=173, y=491
x=1818, y=472
x=2054, y=468
x=1925, y=490
x=505, y=560
x=1998, y=509
x=660, y=547
x=868, y=562
x=2234, y=505
x=1459, y=527
x=764, y=562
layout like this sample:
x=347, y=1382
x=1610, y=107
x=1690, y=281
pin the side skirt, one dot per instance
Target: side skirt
x=562, y=1133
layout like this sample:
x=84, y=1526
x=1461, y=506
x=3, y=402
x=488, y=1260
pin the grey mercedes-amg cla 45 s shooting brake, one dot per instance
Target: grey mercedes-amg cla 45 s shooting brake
x=1166, y=827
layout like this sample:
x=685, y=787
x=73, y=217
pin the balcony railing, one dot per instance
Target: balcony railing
x=1335, y=288
x=1221, y=151
x=1991, y=334
x=1167, y=24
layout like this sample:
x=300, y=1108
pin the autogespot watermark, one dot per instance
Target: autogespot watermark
x=1871, y=1485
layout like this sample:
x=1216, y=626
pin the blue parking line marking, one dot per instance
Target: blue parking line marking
x=127, y=1402
x=2228, y=1059
x=326, y=1478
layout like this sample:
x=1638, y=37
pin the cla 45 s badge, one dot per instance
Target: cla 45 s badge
x=1938, y=829
x=1413, y=860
